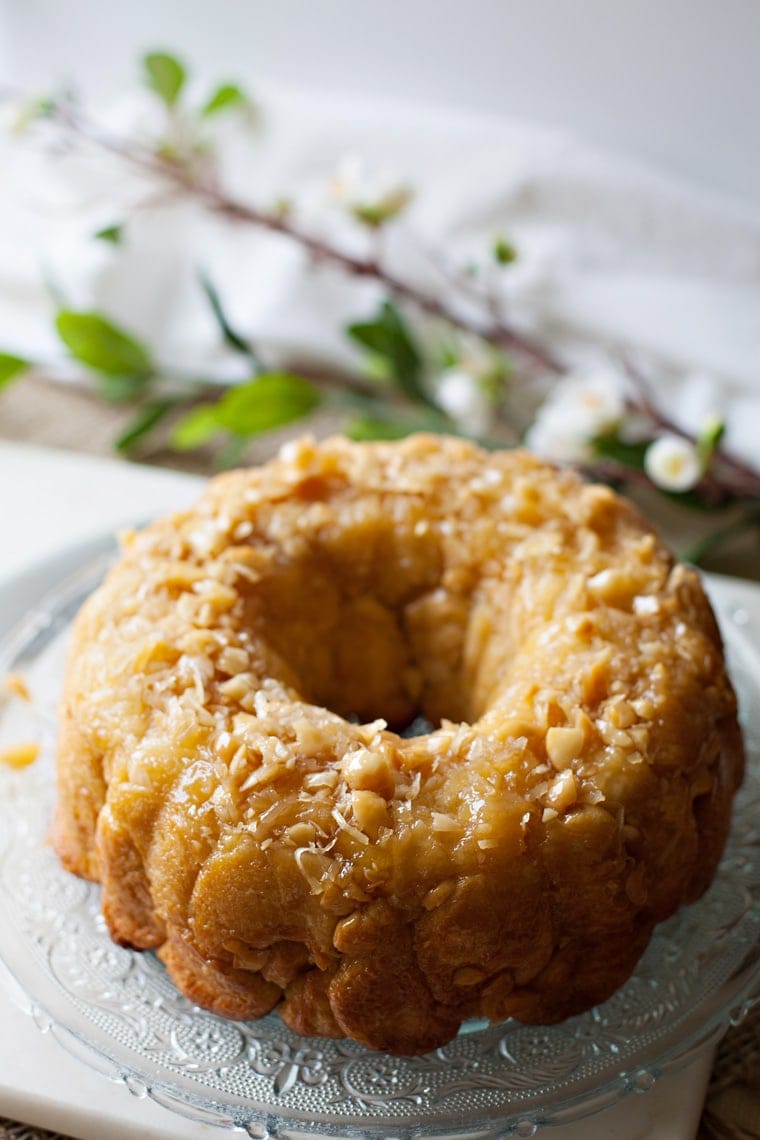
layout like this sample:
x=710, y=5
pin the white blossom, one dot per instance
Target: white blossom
x=579, y=408
x=461, y=396
x=372, y=196
x=673, y=463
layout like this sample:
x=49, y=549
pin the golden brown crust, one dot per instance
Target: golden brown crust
x=224, y=773
x=76, y=818
x=239, y=994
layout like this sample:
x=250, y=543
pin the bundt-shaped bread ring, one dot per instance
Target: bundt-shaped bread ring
x=227, y=772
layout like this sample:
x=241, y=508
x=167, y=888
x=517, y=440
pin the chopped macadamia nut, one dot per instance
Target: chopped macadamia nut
x=369, y=810
x=16, y=685
x=19, y=755
x=563, y=791
x=232, y=661
x=563, y=745
x=371, y=771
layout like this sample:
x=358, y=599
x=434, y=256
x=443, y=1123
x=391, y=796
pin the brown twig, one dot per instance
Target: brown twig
x=369, y=268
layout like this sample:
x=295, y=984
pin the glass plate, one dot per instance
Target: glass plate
x=118, y=1011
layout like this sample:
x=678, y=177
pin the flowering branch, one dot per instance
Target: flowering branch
x=405, y=387
x=199, y=183
x=728, y=477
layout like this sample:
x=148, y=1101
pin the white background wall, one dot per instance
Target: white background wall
x=673, y=81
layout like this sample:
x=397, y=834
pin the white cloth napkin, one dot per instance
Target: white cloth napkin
x=611, y=255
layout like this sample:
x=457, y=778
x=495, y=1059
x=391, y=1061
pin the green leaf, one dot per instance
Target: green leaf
x=196, y=428
x=376, y=214
x=503, y=251
x=710, y=435
x=165, y=75
x=449, y=357
x=32, y=110
x=227, y=96
x=268, y=401
x=96, y=341
x=112, y=234
x=692, y=499
x=494, y=378
x=388, y=336
x=610, y=446
x=365, y=428
x=231, y=454
x=122, y=387
x=144, y=421
x=698, y=552
x=11, y=367
x=265, y=402
x=378, y=368
x=282, y=207
x=387, y=424
x=230, y=336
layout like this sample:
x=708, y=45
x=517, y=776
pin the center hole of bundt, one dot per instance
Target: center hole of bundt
x=364, y=648
x=361, y=664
